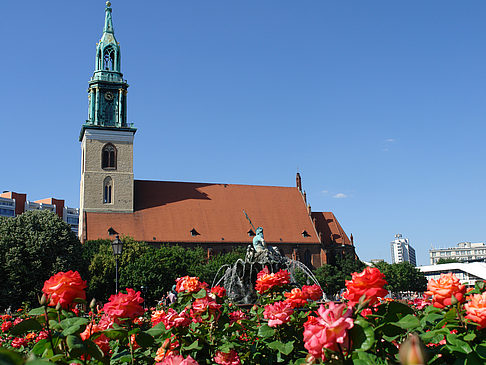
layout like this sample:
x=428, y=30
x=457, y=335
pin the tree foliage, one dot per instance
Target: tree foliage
x=402, y=277
x=332, y=277
x=33, y=246
x=154, y=268
x=447, y=261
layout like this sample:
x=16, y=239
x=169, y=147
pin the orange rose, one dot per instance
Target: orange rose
x=370, y=283
x=189, y=284
x=266, y=280
x=476, y=309
x=64, y=287
x=444, y=289
x=296, y=298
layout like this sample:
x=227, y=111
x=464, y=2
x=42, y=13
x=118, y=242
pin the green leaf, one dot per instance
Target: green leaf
x=470, y=336
x=434, y=336
x=38, y=362
x=40, y=347
x=144, y=340
x=284, y=348
x=265, y=331
x=200, y=294
x=93, y=350
x=37, y=311
x=458, y=344
x=481, y=351
x=75, y=345
x=8, y=357
x=156, y=330
x=78, y=321
x=27, y=325
x=362, y=335
x=118, y=334
x=193, y=346
x=408, y=322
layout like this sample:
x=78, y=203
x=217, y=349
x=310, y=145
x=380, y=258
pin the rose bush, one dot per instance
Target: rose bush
x=285, y=326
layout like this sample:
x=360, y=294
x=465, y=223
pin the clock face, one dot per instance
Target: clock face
x=109, y=96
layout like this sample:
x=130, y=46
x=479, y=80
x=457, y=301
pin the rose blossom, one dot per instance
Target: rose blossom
x=172, y=319
x=278, y=313
x=178, y=360
x=328, y=329
x=205, y=305
x=6, y=326
x=369, y=282
x=444, y=289
x=102, y=341
x=64, y=287
x=124, y=305
x=189, y=284
x=296, y=298
x=266, y=280
x=227, y=358
x=18, y=342
x=313, y=292
x=476, y=309
x=167, y=348
x=237, y=316
x=219, y=291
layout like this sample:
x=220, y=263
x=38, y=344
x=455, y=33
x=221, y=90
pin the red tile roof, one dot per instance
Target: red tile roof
x=168, y=211
x=330, y=229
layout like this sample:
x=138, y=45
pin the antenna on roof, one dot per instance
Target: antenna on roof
x=249, y=220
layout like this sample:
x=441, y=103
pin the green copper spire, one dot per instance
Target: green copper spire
x=107, y=88
x=108, y=22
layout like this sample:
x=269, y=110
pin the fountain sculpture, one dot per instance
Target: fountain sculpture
x=239, y=279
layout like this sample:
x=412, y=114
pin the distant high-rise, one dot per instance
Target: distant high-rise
x=401, y=251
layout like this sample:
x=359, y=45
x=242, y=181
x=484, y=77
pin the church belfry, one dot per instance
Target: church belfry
x=106, y=137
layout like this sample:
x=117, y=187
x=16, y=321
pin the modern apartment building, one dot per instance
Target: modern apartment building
x=464, y=251
x=401, y=251
x=13, y=204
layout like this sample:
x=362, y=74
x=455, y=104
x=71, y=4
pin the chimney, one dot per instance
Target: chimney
x=298, y=181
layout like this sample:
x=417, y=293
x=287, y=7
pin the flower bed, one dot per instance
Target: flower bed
x=287, y=325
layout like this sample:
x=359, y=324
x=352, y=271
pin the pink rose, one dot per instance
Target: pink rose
x=229, y=358
x=277, y=313
x=476, y=309
x=178, y=360
x=328, y=329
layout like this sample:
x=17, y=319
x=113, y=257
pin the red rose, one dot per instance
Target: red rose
x=205, y=305
x=227, y=358
x=313, y=292
x=6, y=326
x=219, y=291
x=124, y=305
x=369, y=282
x=19, y=342
x=64, y=287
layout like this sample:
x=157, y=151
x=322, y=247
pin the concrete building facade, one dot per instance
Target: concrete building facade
x=13, y=204
x=402, y=251
x=464, y=251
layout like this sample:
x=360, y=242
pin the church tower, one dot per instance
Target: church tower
x=106, y=138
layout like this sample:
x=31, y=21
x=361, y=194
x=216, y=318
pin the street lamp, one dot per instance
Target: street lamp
x=117, y=246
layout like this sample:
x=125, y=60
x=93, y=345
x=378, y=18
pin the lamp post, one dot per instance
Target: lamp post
x=117, y=246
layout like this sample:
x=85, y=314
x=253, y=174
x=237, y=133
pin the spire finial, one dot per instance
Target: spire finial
x=108, y=4
x=108, y=22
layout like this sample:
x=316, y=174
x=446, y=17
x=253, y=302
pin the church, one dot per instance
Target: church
x=213, y=216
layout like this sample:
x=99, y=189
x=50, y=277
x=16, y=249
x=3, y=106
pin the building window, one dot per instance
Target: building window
x=108, y=190
x=108, y=157
x=108, y=59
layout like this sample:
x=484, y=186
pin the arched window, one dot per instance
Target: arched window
x=108, y=59
x=108, y=157
x=107, y=190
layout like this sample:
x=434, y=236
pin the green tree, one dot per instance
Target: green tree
x=402, y=277
x=447, y=261
x=33, y=247
x=332, y=277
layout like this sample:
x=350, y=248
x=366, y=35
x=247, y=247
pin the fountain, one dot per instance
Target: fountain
x=239, y=279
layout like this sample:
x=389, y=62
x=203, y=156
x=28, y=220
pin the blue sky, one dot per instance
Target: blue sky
x=379, y=104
